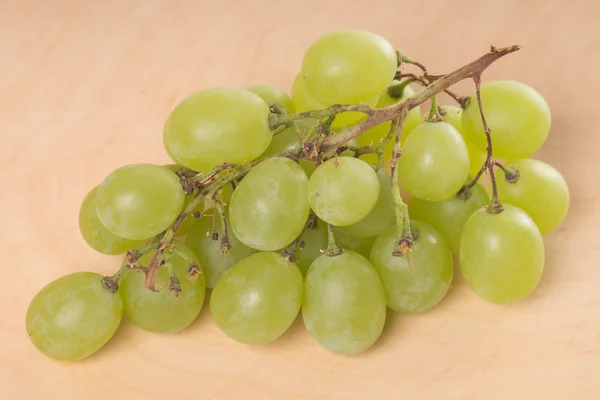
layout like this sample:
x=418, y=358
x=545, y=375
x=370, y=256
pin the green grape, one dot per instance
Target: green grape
x=421, y=285
x=541, y=191
x=139, y=201
x=449, y=216
x=345, y=240
x=315, y=241
x=344, y=303
x=73, y=317
x=381, y=216
x=217, y=125
x=378, y=132
x=348, y=66
x=163, y=311
x=434, y=162
x=95, y=234
x=343, y=191
x=258, y=299
x=225, y=193
x=305, y=102
x=476, y=156
x=269, y=208
x=502, y=255
x=517, y=115
x=273, y=95
x=213, y=261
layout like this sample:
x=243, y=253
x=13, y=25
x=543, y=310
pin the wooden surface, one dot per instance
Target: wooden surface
x=85, y=87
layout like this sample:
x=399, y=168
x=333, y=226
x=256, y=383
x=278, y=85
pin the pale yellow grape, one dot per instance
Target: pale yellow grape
x=257, y=299
x=344, y=304
x=343, y=191
x=273, y=95
x=269, y=208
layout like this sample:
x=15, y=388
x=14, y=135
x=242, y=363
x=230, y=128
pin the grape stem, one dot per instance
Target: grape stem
x=405, y=240
x=510, y=174
x=225, y=246
x=206, y=184
x=422, y=80
x=495, y=206
x=130, y=262
x=434, y=115
x=332, y=248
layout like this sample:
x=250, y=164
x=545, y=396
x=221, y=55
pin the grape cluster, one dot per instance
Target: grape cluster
x=255, y=210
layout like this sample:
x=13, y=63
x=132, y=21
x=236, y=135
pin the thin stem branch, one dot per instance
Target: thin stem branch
x=510, y=174
x=332, y=248
x=225, y=245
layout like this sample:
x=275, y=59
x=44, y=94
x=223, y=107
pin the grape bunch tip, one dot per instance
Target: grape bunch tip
x=340, y=201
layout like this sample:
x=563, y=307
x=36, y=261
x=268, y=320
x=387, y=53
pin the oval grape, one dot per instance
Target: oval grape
x=422, y=286
x=163, y=311
x=258, y=299
x=517, y=115
x=74, y=316
x=96, y=235
x=217, y=125
x=213, y=261
x=502, y=255
x=449, y=216
x=434, y=162
x=541, y=191
x=343, y=191
x=344, y=303
x=139, y=201
x=269, y=208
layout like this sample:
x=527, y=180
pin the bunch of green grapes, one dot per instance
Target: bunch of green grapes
x=271, y=227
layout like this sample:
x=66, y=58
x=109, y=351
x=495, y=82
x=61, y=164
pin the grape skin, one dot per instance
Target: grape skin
x=257, y=299
x=422, y=286
x=541, y=191
x=517, y=115
x=139, y=201
x=96, y=235
x=73, y=316
x=502, y=255
x=343, y=191
x=269, y=208
x=344, y=305
x=163, y=311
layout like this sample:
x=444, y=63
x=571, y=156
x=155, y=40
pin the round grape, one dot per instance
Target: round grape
x=269, y=208
x=139, y=201
x=217, y=125
x=359, y=244
x=422, y=286
x=517, y=115
x=541, y=191
x=502, y=255
x=348, y=66
x=344, y=303
x=273, y=95
x=343, y=191
x=163, y=311
x=434, y=162
x=258, y=299
x=449, y=216
x=213, y=261
x=74, y=316
x=95, y=234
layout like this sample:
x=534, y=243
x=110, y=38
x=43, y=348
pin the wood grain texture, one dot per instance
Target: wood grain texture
x=85, y=86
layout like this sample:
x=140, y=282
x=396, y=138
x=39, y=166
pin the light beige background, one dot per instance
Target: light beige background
x=85, y=87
